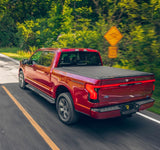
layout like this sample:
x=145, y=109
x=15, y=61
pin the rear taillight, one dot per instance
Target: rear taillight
x=93, y=92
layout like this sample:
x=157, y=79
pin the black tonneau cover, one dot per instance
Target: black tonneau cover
x=102, y=72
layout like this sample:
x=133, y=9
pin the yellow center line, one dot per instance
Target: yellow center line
x=46, y=138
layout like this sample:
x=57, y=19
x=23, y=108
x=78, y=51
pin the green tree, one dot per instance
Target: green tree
x=3, y=7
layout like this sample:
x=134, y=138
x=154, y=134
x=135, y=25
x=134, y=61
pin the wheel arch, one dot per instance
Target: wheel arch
x=63, y=89
x=20, y=69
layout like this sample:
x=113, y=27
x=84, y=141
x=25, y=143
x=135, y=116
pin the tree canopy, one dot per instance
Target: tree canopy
x=83, y=23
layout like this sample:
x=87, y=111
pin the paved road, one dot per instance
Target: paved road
x=17, y=133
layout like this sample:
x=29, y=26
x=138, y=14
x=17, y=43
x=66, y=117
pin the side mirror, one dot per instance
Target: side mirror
x=25, y=61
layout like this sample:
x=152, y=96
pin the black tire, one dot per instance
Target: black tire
x=22, y=83
x=65, y=109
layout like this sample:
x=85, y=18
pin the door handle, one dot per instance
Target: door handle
x=40, y=71
x=44, y=72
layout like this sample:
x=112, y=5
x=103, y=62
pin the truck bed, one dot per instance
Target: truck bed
x=102, y=72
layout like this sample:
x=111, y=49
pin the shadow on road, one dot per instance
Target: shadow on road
x=85, y=122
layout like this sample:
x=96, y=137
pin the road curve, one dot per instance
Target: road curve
x=17, y=133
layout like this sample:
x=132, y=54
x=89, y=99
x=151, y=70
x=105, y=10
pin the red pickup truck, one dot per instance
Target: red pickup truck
x=77, y=82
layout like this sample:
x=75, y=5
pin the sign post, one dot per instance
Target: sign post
x=113, y=36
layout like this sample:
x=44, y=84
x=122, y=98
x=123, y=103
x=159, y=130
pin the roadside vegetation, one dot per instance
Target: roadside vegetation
x=15, y=53
x=28, y=25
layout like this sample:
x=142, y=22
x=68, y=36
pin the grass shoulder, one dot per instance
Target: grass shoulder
x=15, y=53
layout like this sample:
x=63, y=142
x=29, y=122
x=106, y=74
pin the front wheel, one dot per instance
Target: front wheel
x=65, y=109
x=22, y=83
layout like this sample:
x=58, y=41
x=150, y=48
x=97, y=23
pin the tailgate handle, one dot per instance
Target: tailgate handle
x=130, y=84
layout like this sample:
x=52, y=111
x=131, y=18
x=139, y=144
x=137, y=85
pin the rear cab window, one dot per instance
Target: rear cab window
x=79, y=58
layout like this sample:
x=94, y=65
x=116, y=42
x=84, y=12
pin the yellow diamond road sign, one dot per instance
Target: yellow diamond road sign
x=113, y=36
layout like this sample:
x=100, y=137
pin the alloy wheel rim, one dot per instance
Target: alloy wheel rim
x=64, y=109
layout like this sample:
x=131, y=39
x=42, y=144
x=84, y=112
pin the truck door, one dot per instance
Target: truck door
x=31, y=67
x=40, y=70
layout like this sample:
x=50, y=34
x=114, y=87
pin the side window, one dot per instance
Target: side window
x=46, y=58
x=43, y=58
x=36, y=57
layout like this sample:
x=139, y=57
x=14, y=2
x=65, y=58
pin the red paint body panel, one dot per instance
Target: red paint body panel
x=110, y=92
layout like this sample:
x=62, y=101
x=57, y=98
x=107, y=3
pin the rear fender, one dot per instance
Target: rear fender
x=62, y=89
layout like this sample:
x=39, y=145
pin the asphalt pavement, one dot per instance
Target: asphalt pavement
x=17, y=132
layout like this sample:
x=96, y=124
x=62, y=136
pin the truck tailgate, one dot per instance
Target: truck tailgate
x=121, y=90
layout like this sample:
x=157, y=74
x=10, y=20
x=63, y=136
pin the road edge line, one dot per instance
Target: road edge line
x=46, y=138
x=150, y=118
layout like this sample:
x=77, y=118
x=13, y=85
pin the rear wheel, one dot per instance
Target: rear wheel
x=22, y=83
x=65, y=109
